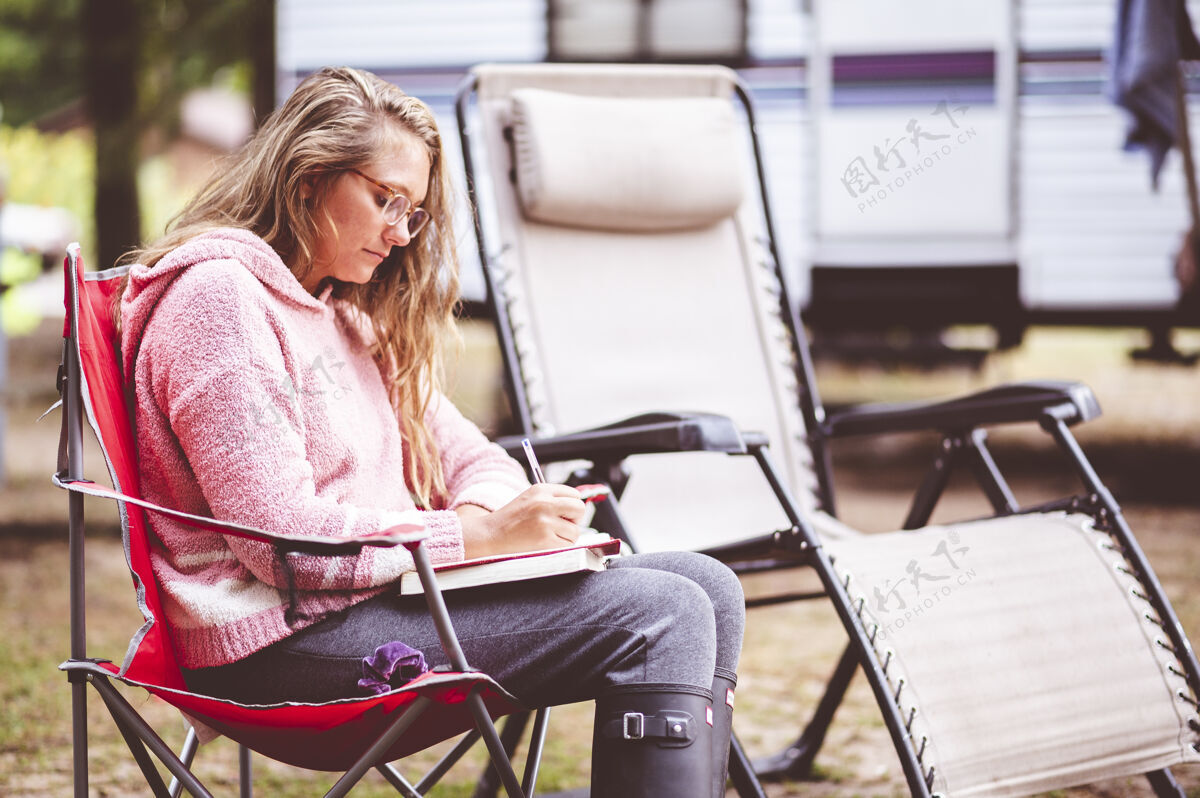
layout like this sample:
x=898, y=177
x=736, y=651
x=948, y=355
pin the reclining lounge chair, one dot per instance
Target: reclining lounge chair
x=627, y=241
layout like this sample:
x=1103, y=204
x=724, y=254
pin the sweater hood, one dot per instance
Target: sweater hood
x=147, y=285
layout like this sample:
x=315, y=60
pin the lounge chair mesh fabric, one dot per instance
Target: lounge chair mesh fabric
x=1023, y=651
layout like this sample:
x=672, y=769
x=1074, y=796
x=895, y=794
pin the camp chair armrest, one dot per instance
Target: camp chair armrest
x=650, y=433
x=1071, y=402
x=301, y=544
x=401, y=534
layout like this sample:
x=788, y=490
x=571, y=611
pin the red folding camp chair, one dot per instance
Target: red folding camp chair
x=352, y=735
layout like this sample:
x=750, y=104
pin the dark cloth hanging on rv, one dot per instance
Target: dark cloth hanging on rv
x=1151, y=38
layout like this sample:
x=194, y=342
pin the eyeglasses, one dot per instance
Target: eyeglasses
x=399, y=206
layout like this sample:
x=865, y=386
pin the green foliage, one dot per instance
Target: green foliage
x=184, y=43
x=130, y=63
x=41, y=57
x=161, y=196
x=51, y=170
x=57, y=170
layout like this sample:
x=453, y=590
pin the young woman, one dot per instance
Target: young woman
x=282, y=341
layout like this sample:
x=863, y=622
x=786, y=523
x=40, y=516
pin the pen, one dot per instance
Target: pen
x=534, y=468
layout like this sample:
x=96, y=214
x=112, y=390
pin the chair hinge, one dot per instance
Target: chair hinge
x=80, y=675
x=792, y=539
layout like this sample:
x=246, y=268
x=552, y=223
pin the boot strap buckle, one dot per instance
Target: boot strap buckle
x=670, y=727
x=633, y=726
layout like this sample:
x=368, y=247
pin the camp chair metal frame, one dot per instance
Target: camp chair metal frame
x=480, y=695
x=961, y=423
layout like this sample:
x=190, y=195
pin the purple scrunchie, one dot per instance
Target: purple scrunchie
x=392, y=665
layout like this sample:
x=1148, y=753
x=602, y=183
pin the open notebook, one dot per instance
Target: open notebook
x=590, y=553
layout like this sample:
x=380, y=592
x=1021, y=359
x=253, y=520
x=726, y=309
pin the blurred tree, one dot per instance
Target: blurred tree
x=111, y=48
x=131, y=61
x=188, y=41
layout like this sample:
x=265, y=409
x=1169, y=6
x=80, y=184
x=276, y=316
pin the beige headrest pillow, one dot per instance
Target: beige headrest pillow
x=612, y=163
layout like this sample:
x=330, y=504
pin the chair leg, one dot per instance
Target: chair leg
x=1164, y=785
x=398, y=781
x=488, y=785
x=79, y=736
x=140, y=754
x=245, y=773
x=500, y=757
x=380, y=747
x=127, y=718
x=741, y=771
x=190, y=745
x=445, y=763
x=537, y=742
x=795, y=761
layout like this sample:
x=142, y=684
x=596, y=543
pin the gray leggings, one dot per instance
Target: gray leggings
x=664, y=618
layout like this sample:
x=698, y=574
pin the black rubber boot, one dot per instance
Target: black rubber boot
x=722, y=729
x=652, y=741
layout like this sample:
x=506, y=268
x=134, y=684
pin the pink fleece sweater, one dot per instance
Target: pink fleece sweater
x=257, y=403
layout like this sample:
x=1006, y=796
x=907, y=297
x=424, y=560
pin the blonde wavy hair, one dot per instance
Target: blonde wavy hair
x=339, y=119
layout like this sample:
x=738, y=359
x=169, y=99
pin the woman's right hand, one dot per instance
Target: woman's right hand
x=545, y=516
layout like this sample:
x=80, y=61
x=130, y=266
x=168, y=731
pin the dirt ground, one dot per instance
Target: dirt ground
x=1146, y=446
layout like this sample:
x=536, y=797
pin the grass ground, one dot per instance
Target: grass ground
x=1147, y=446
